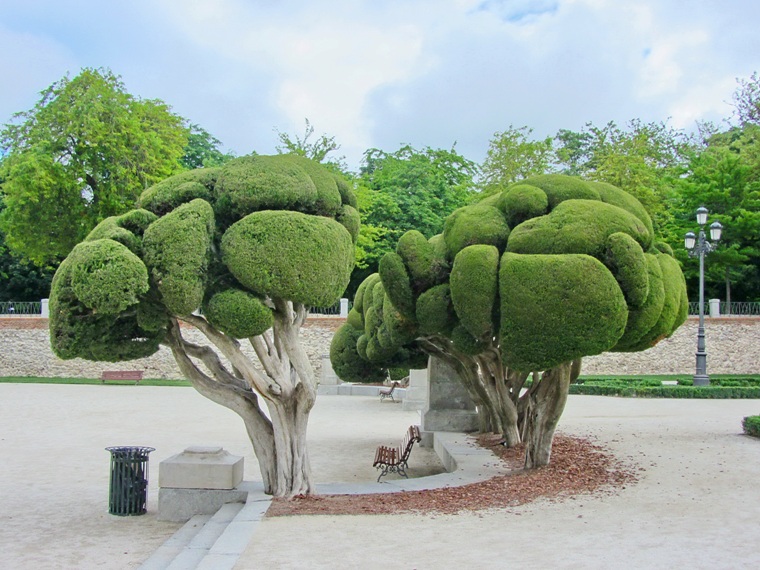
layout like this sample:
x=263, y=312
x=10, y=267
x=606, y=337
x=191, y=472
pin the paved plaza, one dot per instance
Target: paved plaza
x=697, y=503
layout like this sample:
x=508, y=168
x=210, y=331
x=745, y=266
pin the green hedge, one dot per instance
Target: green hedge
x=699, y=392
x=751, y=425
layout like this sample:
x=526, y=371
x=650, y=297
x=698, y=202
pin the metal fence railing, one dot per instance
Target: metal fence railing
x=25, y=308
x=334, y=310
x=739, y=309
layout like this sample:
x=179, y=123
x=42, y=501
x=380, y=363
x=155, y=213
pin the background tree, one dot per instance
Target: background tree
x=404, y=190
x=512, y=156
x=525, y=282
x=84, y=152
x=253, y=243
x=317, y=150
x=203, y=149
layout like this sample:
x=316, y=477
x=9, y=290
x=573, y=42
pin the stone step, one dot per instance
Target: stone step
x=169, y=550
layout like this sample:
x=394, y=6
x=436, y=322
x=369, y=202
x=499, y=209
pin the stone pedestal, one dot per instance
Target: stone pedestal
x=449, y=406
x=328, y=377
x=198, y=481
x=416, y=392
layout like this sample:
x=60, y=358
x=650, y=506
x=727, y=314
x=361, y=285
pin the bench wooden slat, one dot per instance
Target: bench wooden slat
x=395, y=459
x=135, y=375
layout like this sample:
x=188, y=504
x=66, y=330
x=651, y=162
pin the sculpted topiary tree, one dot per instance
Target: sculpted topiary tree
x=524, y=283
x=252, y=244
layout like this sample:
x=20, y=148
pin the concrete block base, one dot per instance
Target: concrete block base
x=450, y=420
x=180, y=505
x=201, y=468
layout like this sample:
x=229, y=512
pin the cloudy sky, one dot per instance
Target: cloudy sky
x=382, y=73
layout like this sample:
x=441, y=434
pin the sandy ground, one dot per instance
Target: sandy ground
x=697, y=503
x=55, y=470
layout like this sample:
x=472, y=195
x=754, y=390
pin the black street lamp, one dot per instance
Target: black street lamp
x=698, y=245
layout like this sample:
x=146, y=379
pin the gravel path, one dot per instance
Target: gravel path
x=697, y=502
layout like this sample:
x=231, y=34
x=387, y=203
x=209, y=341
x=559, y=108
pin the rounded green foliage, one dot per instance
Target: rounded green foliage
x=372, y=321
x=401, y=329
x=177, y=248
x=522, y=202
x=622, y=199
x=440, y=265
x=174, y=191
x=361, y=346
x=396, y=282
x=349, y=219
x=662, y=247
x=626, y=260
x=126, y=229
x=474, y=286
x=559, y=188
x=355, y=319
x=475, y=224
x=465, y=342
x=641, y=320
x=77, y=331
x=347, y=362
x=329, y=199
x=419, y=258
x=576, y=226
x=289, y=255
x=378, y=297
x=254, y=183
x=557, y=308
x=378, y=353
x=435, y=312
x=347, y=196
x=238, y=313
x=106, y=277
x=365, y=290
x=151, y=314
x=675, y=305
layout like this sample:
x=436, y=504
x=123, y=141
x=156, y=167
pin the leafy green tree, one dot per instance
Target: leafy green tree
x=725, y=178
x=253, y=244
x=203, y=149
x=644, y=159
x=405, y=190
x=83, y=153
x=317, y=150
x=525, y=282
x=512, y=156
x=746, y=100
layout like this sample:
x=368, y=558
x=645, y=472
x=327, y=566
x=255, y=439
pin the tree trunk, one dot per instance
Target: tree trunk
x=286, y=385
x=292, y=467
x=545, y=402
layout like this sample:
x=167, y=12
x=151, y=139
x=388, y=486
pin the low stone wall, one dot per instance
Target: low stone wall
x=733, y=347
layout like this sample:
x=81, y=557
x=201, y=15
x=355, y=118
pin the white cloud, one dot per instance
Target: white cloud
x=379, y=74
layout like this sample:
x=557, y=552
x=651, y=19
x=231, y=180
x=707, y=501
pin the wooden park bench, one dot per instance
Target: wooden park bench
x=394, y=459
x=388, y=392
x=135, y=375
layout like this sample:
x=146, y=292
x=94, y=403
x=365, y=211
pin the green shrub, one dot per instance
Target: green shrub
x=474, y=287
x=127, y=229
x=559, y=188
x=751, y=425
x=643, y=319
x=435, y=313
x=289, y=255
x=626, y=260
x=238, y=313
x=395, y=279
x=401, y=329
x=398, y=373
x=522, y=202
x=177, y=248
x=346, y=360
x=329, y=199
x=576, y=226
x=185, y=187
x=701, y=392
x=556, y=308
x=675, y=305
x=349, y=219
x=106, y=277
x=255, y=183
x=612, y=195
x=475, y=224
x=419, y=258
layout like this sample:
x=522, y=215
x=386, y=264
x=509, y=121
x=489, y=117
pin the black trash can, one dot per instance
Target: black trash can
x=128, y=491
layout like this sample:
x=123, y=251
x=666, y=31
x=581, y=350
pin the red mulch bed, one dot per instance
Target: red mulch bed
x=577, y=467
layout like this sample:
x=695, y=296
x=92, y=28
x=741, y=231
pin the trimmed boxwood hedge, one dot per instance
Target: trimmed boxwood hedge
x=700, y=392
x=751, y=425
